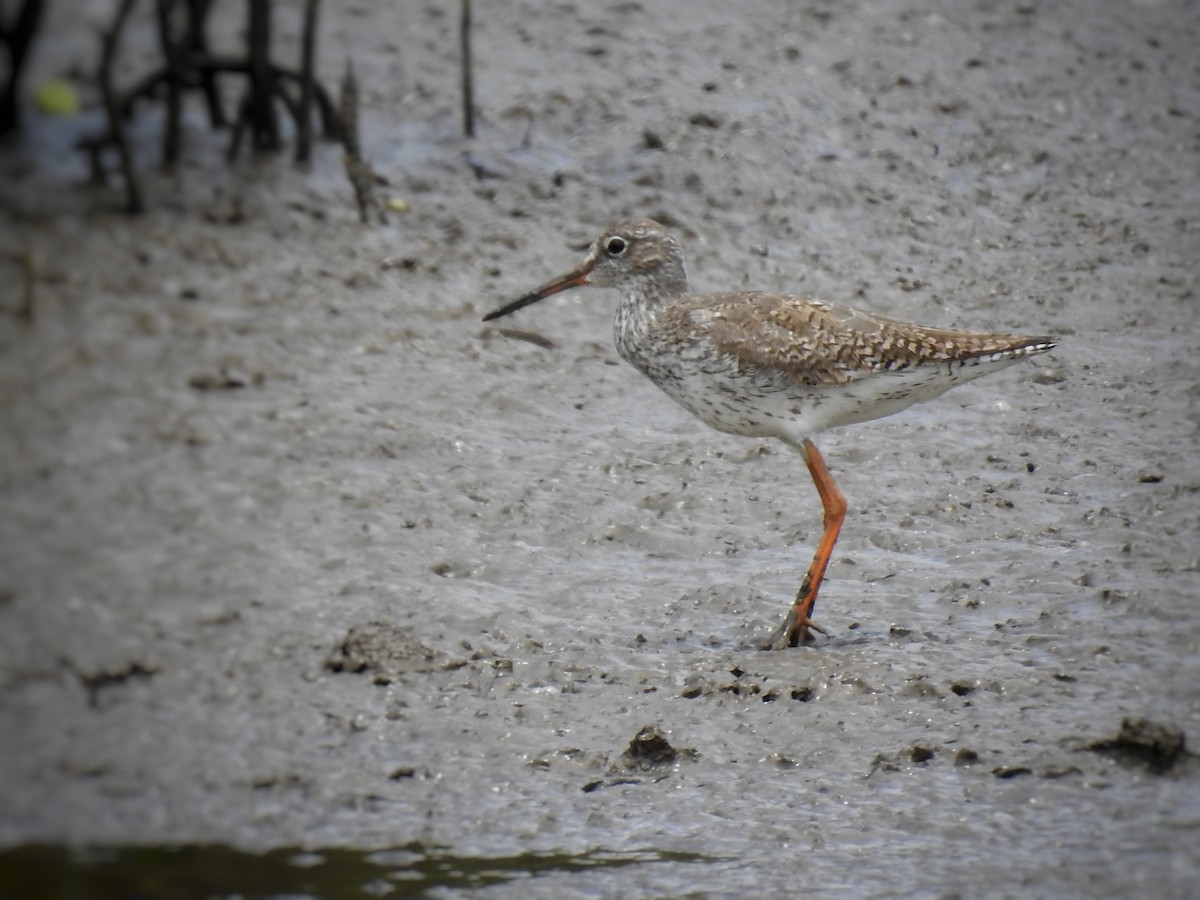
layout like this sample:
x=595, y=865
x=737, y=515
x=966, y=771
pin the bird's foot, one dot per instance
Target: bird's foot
x=796, y=629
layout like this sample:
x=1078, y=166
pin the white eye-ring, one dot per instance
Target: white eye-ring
x=616, y=246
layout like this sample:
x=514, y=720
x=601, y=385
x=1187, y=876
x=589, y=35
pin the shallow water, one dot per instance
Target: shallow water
x=176, y=873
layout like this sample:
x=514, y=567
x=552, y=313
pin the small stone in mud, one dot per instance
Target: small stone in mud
x=649, y=748
x=652, y=141
x=1011, y=771
x=919, y=687
x=965, y=757
x=920, y=754
x=225, y=380
x=1141, y=742
x=218, y=381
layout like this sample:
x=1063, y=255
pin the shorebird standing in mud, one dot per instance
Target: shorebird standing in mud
x=774, y=365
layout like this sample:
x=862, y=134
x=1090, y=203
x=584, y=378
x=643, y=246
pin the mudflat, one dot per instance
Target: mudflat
x=296, y=552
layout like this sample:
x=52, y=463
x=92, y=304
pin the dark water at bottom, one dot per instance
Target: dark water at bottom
x=34, y=872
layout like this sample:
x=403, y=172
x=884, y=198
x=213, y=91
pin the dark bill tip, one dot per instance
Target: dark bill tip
x=570, y=280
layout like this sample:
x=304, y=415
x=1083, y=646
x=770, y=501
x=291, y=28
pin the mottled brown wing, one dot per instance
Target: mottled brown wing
x=818, y=343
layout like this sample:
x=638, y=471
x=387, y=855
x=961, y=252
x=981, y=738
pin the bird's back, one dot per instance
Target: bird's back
x=771, y=364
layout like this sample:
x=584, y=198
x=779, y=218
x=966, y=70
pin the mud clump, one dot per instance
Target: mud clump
x=650, y=753
x=384, y=650
x=649, y=749
x=1145, y=744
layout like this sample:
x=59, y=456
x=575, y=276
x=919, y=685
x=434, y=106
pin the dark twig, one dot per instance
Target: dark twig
x=29, y=283
x=468, y=85
x=173, y=50
x=133, y=191
x=260, y=110
x=17, y=38
x=359, y=171
x=350, y=111
x=197, y=49
x=308, y=52
x=206, y=67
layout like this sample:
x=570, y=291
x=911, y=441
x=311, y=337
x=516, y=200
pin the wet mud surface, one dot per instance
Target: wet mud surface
x=297, y=553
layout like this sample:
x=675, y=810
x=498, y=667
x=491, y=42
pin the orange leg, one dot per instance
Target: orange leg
x=796, y=627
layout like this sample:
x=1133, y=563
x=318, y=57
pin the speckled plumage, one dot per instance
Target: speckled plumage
x=774, y=365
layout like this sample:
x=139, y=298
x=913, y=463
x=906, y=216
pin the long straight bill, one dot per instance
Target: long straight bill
x=572, y=279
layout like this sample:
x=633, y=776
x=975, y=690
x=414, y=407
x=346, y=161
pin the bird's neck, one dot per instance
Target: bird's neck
x=654, y=290
x=641, y=300
x=634, y=324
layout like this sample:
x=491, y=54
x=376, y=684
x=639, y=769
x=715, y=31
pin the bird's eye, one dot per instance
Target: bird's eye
x=616, y=246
